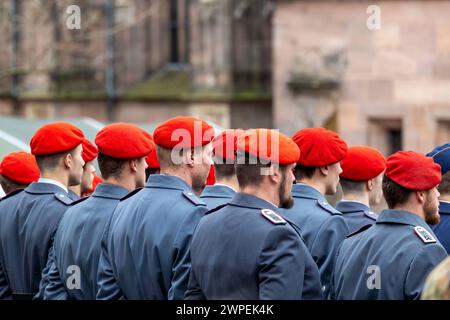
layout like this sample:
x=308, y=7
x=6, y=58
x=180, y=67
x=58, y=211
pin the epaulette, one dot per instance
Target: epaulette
x=371, y=215
x=12, y=193
x=272, y=216
x=215, y=209
x=79, y=201
x=363, y=228
x=424, y=235
x=193, y=198
x=63, y=198
x=328, y=207
x=132, y=193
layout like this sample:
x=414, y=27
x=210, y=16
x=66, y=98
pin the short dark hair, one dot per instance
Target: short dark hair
x=394, y=193
x=109, y=166
x=248, y=169
x=444, y=186
x=9, y=186
x=350, y=186
x=303, y=172
x=50, y=162
x=224, y=171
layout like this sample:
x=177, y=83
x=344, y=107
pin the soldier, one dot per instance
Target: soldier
x=361, y=177
x=245, y=249
x=441, y=155
x=146, y=250
x=392, y=258
x=37, y=210
x=224, y=151
x=317, y=173
x=77, y=246
x=89, y=154
x=17, y=171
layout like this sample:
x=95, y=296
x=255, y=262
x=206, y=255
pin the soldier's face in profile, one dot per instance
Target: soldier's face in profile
x=76, y=168
x=140, y=174
x=376, y=194
x=334, y=170
x=202, y=167
x=431, y=207
x=285, y=188
x=88, y=176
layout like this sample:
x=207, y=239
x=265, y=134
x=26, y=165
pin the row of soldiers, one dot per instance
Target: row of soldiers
x=152, y=229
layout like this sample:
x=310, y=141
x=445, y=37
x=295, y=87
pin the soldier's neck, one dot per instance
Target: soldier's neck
x=264, y=193
x=314, y=183
x=230, y=182
x=358, y=197
x=57, y=176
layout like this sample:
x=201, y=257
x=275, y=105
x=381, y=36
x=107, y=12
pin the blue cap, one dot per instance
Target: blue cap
x=441, y=155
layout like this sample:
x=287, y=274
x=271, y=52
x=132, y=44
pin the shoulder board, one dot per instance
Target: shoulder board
x=371, y=215
x=424, y=235
x=272, y=216
x=328, y=207
x=12, y=193
x=79, y=201
x=63, y=198
x=193, y=198
x=132, y=193
x=363, y=228
x=215, y=209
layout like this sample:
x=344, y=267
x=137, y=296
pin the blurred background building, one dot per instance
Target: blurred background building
x=285, y=64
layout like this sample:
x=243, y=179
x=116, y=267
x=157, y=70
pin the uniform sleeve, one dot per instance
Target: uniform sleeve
x=194, y=292
x=108, y=288
x=423, y=263
x=281, y=266
x=182, y=262
x=328, y=239
x=51, y=286
x=5, y=292
x=332, y=289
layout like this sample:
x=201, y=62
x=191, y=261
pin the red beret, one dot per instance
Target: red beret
x=20, y=167
x=55, y=138
x=211, y=179
x=90, y=151
x=362, y=163
x=268, y=145
x=319, y=147
x=413, y=170
x=152, y=158
x=123, y=141
x=224, y=145
x=183, y=132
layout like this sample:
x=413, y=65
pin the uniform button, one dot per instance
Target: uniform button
x=190, y=194
x=324, y=203
x=61, y=195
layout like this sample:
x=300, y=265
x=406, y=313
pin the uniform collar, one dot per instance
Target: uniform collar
x=54, y=182
x=246, y=200
x=444, y=207
x=218, y=191
x=44, y=188
x=347, y=206
x=301, y=190
x=110, y=191
x=164, y=181
x=401, y=217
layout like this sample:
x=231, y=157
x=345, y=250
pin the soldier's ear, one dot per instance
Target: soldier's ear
x=420, y=196
x=133, y=165
x=67, y=160
x=369, y=184
x=324, y=170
